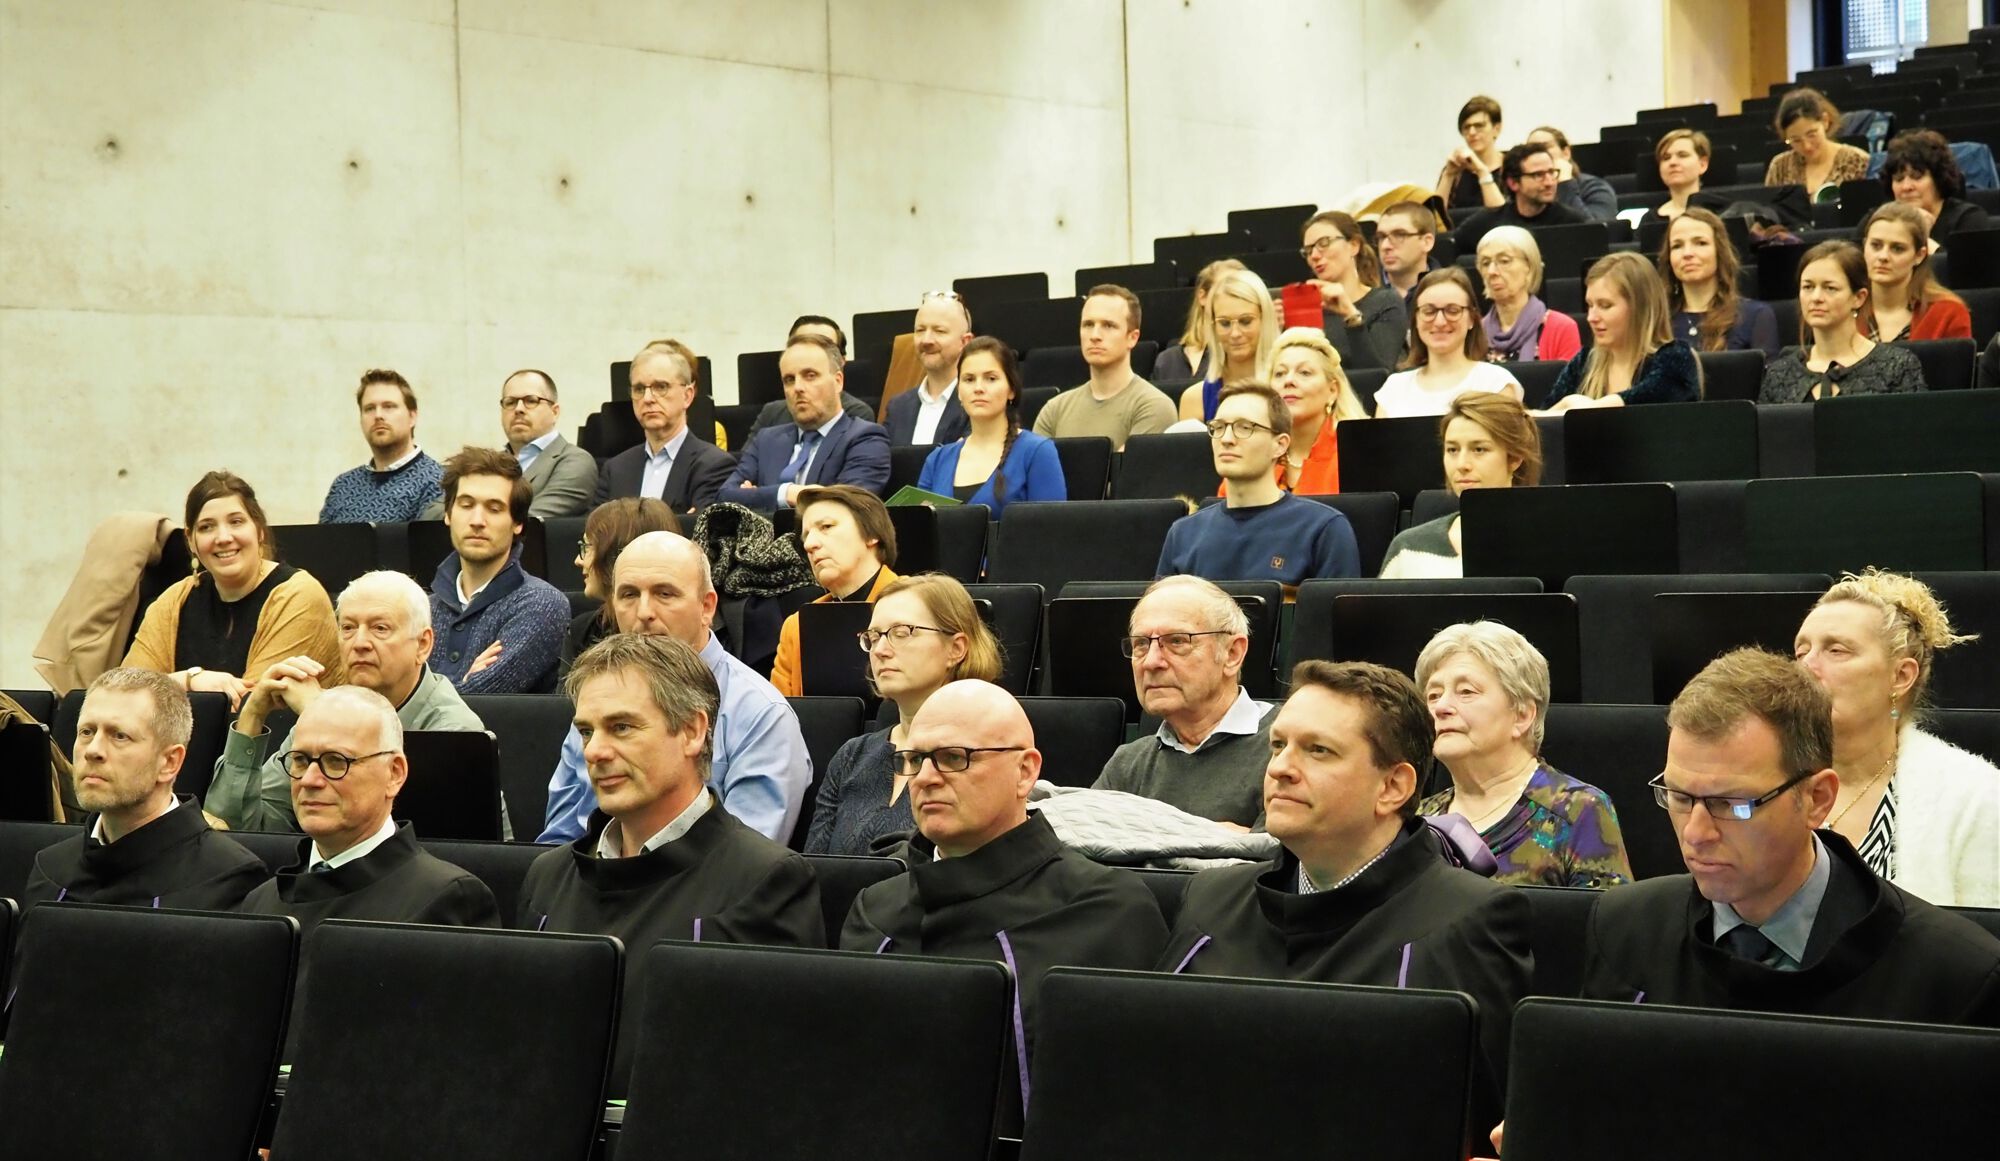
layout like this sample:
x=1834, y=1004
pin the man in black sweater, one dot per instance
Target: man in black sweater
x=661, y=858
x=1530, y=173
x=145, y=846
x=356, y=862
x=1775, y=914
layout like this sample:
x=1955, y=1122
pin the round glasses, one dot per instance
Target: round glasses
x=332, y=763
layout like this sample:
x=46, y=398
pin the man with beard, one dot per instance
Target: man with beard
x=499, y=630
x=930, y=413
x=821, y=445
x=399, y=481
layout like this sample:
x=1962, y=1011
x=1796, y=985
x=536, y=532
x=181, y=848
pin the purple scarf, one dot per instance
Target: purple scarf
x=1523, y=340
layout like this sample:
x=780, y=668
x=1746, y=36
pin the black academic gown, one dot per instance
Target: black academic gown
x=1411, y=920
x=1876, y=952
x=721, y=882
x=1023, y=899
x=397, y=882
x=176, y=860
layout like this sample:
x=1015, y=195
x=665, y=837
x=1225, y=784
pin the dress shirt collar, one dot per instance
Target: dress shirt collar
x=360, y=850
x=609, y=845
x=413, y=453
x=671, y=448
x=824, y=429
x=535, y=447
x=1790, y=926
x=97, y=828
x=1244, y=716
x=924, y=396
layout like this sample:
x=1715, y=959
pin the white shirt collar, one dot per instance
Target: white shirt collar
x=360, y=850
x=1244, y=716
x=414, y=452
x=925, y=396
x=609, y=846
x=97, y=828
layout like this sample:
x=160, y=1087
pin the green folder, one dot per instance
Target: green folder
x=911, y=496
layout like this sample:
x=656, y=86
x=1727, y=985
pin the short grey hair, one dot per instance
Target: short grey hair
x=416, y=603
x=173, y=717
x=1219, y=610
x=390, y=727
x=1523, y=244
x=669, y=349
x=680, y=684
x=1519, y=667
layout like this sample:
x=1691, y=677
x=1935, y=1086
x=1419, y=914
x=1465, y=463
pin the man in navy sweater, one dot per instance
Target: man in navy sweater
x=499, y=630
x=1259, y=531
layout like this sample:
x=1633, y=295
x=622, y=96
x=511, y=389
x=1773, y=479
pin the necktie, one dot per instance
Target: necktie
x=800, y=459
x=1746, y=942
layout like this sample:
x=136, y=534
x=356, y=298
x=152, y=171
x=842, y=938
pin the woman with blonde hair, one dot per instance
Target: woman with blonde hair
x=1306, y=371
x=1635, y=357
x=1520, y=325
x=1698, y=263
x=1447, y=356
x=924, y=633
x=1242, y=331
x=1186, y=361
x=1922, y=813
x=1489, y=441
x=1363, y=319
x=1905, y=300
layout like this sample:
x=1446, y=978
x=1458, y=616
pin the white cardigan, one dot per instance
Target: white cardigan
x=1947, y=823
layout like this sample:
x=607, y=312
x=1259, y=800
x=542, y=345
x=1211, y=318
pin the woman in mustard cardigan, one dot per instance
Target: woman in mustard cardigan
x=851, y=545
x=242, y=611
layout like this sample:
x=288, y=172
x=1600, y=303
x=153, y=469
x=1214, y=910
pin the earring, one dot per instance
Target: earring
x=1894, y=713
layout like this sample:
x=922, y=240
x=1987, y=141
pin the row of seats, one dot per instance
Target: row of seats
x=1126, y=1064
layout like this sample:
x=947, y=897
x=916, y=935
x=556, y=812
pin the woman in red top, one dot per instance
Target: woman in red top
x=1905, y=302
x=1306, y=370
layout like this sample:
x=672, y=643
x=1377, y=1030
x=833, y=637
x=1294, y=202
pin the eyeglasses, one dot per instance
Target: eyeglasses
x=1178, y=644
x=869, y=638
x=656, y=390
x=1396, y=236
x=953, y=295
x=1319, y=247
x=332, y=763
x=1240, y=428
x=1230, y=326
x=947, y=759
x=1537, y=175
x=524, y=402
x=1493, y=261
x=1816, y=133
x=1451, y=311
x=1720, y=807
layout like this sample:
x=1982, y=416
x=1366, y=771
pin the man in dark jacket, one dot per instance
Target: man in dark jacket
x=142, y=845
x=1529, y=173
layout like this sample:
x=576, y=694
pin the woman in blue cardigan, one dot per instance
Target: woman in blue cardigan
x=997, y=463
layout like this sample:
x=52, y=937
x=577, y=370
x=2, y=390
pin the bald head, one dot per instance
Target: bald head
x=661, y=585
x=963, y=810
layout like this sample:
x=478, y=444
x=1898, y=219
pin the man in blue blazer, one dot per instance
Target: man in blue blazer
x=930, y=413
x=822, y=444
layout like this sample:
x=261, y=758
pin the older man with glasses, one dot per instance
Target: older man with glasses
x=1187, y=645
x=671, y=463
x=1776, y=913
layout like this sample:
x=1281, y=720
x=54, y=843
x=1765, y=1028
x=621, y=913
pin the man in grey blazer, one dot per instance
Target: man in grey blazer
x=563, y=475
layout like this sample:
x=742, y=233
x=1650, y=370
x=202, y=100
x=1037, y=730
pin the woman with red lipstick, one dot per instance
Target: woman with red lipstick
x=1447, y=356
x=1904, y=301
x=1699, y=265
x=1635, y=357
x=1489, y=441
x=1836, y=358
x=1305, y=369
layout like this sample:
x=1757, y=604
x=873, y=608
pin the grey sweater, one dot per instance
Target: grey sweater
x=1223, y=779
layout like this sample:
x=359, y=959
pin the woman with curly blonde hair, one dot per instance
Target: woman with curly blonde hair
x=1921, y=812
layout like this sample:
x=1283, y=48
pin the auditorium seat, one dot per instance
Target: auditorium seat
x=1162, y=314
x=1014, y=613
x=1967, y=675
x=1136, y=1066
x=1785, y=439
x=333, y=553
x=1083, y=634
x=1671, y=441
x=1053, y=542
x=769, y=1020
x=1191, y=252
x=1134, y=277
x=503, y=867
x=424, y=1076
x=874, y=333
x=1374, y=517
x=453, y=790
x=1403, y=456
x=906, y=467
x=1033, y=399
x=1561, y=918
x=1939, y=1080
x=1692, y=629
x=1712, y=525
x=39, y=703
x=1836, y=524
x=1430, y=504
x=826, y=723
x=1538, y=376
x=1947, y=362
x=278, y=849
x=1983, y=304
x=1086, y=465
x=1366, y=381
x=1024, y=325
x=1392, y=630
x=1165, y=466
x=20, y=842
x=841, y=878
x=1731, y=374
x=1619, y=749
x=758, y=380
x=212, y=719
x=1057, y=367
x=1076, y=735
x=1559, y=532
x=10, y=922
x=564, y=537
x=1615, y=615
x=1272, y=227
x=1860, y=435
x=530, y=728
x=1168, y=886
x=81, y=1081
x=985, y=290
x=831, y=664
x=1278, y=268
x=962, y=532
x=430, y=545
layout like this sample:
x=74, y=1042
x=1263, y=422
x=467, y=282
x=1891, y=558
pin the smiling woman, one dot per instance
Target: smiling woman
x=242, y=611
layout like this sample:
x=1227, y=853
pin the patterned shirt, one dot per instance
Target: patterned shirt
x=1562, y=833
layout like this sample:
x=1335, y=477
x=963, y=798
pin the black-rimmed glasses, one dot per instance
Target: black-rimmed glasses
x=948, y=759
x=332, y=763
x=897, y=633
x=1725, y=808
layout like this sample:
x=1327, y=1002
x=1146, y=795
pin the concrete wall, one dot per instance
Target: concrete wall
x=214, y=214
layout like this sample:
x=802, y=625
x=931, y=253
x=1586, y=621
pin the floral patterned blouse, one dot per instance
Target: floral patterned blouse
x=1563, y=833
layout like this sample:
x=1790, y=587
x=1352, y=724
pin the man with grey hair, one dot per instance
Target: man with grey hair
x=144, y=846
x=1187, y=643
x=661, y=586
x=662, y=859
x=357, y=862
x=384, y=620
x=672, y=463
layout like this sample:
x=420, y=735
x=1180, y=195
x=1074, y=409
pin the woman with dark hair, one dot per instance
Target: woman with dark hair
x=242, y=611
x=1470, y=177
x=1904, y=300
x=1919, y=170
x=1806, y=121
x=1363, y=319
x=606, y=531
x=1447, y=352
x=1699, y=265
x=997, y=463
x=851, y=546
x=1835, y=357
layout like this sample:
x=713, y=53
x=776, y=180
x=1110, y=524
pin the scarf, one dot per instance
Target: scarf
x=1520, y=342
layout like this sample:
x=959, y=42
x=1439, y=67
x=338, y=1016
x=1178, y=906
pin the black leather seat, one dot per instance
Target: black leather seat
x=1166, y=465
x=530, y=728
x=826, y=724
x=1619, y=749
x=1054, y=542
x=841, y=878
x=1076, y=735
x=1086, y=465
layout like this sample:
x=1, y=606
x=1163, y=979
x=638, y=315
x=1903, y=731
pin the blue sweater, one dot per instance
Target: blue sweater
x=526, y=613
x=1291, y=541
x=1032, y=468
x=365, y=496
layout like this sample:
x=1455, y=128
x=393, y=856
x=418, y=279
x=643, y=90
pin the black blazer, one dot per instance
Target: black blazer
x=694, y=479
x=901, y=420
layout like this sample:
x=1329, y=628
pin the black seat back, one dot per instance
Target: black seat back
x=841, y=878
x=26, y=789
x=453, y=790
x=1692, y=629
x=1561, y=917
x=1403, y=456
x=20, y=842
x=1166, y=465
x=1050, y=543
x=1392, y=630
x=1086, y=465
x=1616, y=617
x=831, y=662
x=1557, y=533
x=1670, y=441
x=1731, y=375
x=530, y=728
x=1619, y=749
x=1836, y=524
x=503, y=867
x=1014, y=613
x=1855, y=435
x=1076, y=735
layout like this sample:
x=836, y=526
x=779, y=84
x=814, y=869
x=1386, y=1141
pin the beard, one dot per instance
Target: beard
x=111, y=796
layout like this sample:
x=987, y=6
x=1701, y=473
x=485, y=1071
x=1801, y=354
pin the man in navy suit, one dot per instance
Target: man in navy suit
x=930, y=414
x=671, y=463
x=822, y=444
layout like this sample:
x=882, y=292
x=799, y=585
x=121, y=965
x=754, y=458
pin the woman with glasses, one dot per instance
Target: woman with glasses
x=1807, y=122
x=850, y=545
x=1634, y=357
x=606, y=531
x=1363, y=319
x=1699, y=265
x=1519, y=325
x=1468, y=180
x=1490, y=441
x=1905, y=300
x=996, y=463
x=1306, y=371
x=1488, y=692
x=1840, y=359
x=924, y=633
x=1186, y=359
x=1447, y=352
x=1242, y=332
x=1923, y=813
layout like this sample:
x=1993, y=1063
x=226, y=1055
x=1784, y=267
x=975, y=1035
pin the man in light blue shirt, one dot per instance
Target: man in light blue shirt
x=760, y=768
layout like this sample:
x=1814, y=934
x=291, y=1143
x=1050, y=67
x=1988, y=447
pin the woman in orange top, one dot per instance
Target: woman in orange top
x=1904, y=301
x=1305, y=369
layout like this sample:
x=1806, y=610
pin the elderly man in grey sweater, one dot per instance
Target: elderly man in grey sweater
x=1187, y=644
x=385, y=640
